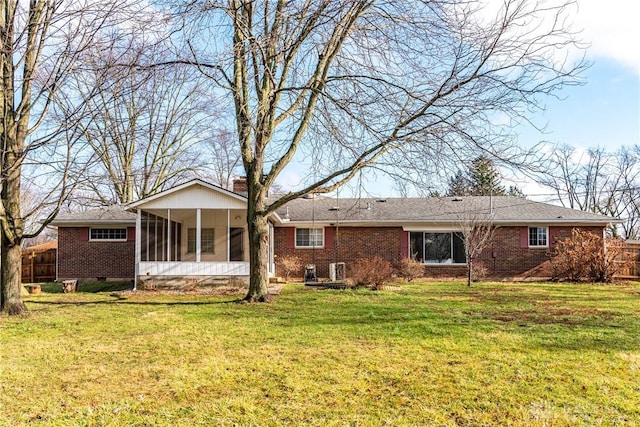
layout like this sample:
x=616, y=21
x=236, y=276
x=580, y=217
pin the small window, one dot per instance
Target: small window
x=207, y=240
x=538, y=237
x=309, y=237
x=108, y=234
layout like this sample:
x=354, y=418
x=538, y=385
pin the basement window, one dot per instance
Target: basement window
x=108, y=234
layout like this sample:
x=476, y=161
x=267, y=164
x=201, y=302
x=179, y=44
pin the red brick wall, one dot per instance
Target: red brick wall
x=78, y=258
x=503, y=258
x=349, y=245
x=506, y=257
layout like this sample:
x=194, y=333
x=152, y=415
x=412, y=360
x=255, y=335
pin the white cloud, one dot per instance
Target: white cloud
x=611, y=27
x=290, y=179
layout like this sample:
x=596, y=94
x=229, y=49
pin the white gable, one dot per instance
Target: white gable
x=192, y=196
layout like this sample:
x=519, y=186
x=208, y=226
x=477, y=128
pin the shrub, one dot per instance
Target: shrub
x=290, y=265
x=583, y=257
x=371, y=272
x=478, y=271
x=409, y=269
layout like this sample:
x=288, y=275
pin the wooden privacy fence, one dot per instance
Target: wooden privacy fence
x=629, y=260
x=39, y=263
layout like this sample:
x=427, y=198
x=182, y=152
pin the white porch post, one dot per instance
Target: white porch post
x=198, y=233
x=138, y=248
x=228, y=235
x=168, y=234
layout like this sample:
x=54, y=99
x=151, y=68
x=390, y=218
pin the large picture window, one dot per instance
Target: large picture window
x=108, y=234
x=437, y=248
x=538, y=237
x=309, y=237
x=207, y=240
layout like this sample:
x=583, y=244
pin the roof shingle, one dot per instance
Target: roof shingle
x=505, y=209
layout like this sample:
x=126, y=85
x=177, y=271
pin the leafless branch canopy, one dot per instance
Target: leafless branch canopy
x=598, y=181
x=349, y=84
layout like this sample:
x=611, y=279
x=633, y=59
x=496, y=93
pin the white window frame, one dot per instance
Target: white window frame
x=203, y=232
x=310, y=246
x=108, y=239
x=538, y=228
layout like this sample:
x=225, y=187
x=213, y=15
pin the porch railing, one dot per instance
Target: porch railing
x=186, y=268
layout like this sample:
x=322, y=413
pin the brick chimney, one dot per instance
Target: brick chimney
x=240, y=185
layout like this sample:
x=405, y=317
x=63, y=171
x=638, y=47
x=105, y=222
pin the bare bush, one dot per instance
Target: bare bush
x=290, y=265
x=409, y=269
x=478, y=271
x=585, y=256
x=371, y=272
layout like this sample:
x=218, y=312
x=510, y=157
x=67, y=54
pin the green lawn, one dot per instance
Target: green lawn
x=428, y=354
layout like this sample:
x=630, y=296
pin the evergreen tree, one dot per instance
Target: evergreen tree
x=515, y=192
x=458, y=185
x=481, y=179
x=484, y=178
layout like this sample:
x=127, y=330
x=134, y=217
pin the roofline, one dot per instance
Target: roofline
x=195, y=181
x=88, y=223
x=400, y=223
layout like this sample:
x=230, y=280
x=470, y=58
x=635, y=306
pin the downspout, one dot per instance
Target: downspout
x=138, y=247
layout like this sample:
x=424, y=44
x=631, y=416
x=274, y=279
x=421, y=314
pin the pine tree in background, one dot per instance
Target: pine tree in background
x=459, y=185
x=515, y=192
x=481, y=179
x=484, y=178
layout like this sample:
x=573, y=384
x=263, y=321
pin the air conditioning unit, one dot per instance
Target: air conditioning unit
x=337, y=271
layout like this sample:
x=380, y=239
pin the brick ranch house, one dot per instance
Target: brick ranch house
x=199, y=230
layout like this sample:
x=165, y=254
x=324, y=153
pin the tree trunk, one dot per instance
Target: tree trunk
x=11, y=277
x=469, y=268
x=258, y=242
x=259, y=258
x=12, y=222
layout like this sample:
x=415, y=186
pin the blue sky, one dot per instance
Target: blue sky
x=605, y=112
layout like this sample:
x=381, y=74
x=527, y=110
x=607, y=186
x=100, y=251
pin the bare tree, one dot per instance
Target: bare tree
x=147, y=123
x=477, y=230
x=40, y=42
x=577, y=178
x=598, y=181
x=625, y=200
x=351, y=84
x=224, y=154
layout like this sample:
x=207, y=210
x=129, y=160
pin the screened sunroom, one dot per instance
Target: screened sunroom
x=196, y=229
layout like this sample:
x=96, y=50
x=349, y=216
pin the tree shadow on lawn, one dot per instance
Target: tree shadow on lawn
x=122, y=293
x=120, y=300
x=89, y=287
x=560, y=329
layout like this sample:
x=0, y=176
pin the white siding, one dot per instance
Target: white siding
x=194, y=197
x=161, y=268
